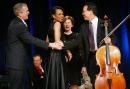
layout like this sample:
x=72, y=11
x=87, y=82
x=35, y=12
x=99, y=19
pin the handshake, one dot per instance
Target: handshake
x=56, y=45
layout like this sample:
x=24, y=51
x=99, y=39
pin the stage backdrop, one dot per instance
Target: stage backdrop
x=39, y=20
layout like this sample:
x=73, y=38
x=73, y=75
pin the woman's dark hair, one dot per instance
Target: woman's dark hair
x=53, y=11
x=92, y=7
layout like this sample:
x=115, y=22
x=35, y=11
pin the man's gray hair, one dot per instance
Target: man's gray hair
x=17, y=8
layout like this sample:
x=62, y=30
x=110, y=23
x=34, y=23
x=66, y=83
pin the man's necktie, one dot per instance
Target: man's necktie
x=39, y=70
x=91, y=37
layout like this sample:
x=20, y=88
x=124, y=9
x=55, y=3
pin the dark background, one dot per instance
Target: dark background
x=39, y=20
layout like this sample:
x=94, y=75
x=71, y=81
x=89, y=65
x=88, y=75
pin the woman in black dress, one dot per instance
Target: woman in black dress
x=73, y=62
x=55, y=75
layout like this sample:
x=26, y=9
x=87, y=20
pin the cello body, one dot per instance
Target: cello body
x=109, y=77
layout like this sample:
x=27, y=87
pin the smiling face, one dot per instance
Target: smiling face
x=68, y=25
x=86, y=13
x=37, y=61
x=59, y=15
x=24, y=12
x=21, y=10
x=89, y=11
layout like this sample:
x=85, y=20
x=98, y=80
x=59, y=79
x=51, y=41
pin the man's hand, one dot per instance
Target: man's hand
x=55, y=46
x=107, y=40
x=60, y=43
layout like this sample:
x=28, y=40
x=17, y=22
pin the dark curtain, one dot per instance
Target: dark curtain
x=39, y=21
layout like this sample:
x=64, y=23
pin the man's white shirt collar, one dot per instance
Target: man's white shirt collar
x=24, y=23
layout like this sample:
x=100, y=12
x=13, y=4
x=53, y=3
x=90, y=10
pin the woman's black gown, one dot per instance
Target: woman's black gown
x=55, y=76
x=73, y=67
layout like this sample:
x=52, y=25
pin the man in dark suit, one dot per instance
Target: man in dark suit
x=37, y=74
x=18, y=38
x=92, y=32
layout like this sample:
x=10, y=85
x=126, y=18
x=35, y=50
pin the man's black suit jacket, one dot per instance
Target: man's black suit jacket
x=100, y=35
x=35, y=80
x=18, y=38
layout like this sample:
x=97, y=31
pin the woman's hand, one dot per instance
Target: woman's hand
x=69, y=56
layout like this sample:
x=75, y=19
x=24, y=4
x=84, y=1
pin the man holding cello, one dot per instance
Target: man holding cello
x=92, y=32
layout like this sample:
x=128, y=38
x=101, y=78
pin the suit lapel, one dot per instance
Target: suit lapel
x=86, y=29
x=21, y=22
x=85, y=32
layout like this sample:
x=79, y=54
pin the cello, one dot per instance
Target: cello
x=108, y=59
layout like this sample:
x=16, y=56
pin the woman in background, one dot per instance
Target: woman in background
x=73, y=62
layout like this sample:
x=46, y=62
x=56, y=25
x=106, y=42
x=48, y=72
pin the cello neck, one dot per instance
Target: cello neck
x=107, y=45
